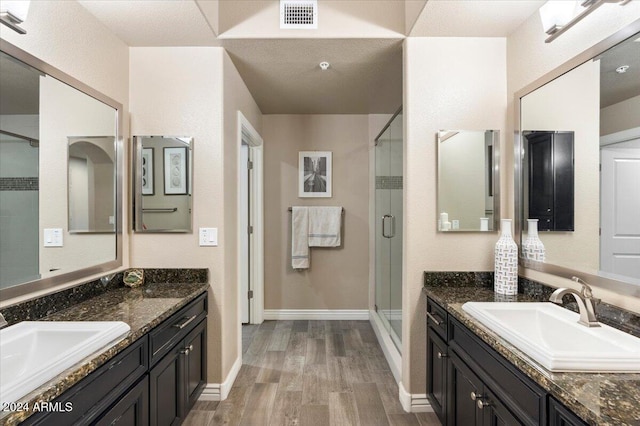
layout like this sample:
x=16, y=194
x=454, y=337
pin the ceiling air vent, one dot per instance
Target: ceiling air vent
x=299, y=14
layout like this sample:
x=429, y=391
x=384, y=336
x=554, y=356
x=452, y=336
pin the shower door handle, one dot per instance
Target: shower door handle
x=393, y=226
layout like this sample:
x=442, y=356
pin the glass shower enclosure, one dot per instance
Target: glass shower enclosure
x=388, y=236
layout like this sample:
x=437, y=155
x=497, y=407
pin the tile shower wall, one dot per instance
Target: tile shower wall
x=18, y=201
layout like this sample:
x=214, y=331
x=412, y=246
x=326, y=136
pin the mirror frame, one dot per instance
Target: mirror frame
x=621, y=287
x=495, y=182
x=50, y=283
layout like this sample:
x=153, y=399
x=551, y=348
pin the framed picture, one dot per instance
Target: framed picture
x=314, y=174
x=147, y=171
x=175, y=171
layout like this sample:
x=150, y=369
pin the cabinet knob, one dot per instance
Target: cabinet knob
x=186, y=350
x=441, y=355
x=474, y=396
x=482, y=404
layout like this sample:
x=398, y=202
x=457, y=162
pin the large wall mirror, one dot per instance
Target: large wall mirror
x=468, y=180
x=579, y=168
x=162, y=185
x=60, y=177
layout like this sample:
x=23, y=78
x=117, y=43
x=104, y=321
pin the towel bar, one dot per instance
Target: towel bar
x=291, y=209
x=161, y=210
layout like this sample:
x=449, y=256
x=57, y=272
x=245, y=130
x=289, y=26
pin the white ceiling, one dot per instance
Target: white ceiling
x=616, y=87
x=362, y=40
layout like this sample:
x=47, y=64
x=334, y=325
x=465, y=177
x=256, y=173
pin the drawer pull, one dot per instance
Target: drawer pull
x=435, y=318
x=184, y=323
x=482, y=404
x=116, y=364
x=441, y=355
x=186, y=350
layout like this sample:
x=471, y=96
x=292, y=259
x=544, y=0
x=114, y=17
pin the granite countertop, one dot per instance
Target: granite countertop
x=607, y=399
x=142, y=308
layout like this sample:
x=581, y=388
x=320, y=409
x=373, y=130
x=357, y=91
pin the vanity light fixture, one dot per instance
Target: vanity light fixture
x=558, y=16
x=13, y=13
x=622, y=69
x=324, y=65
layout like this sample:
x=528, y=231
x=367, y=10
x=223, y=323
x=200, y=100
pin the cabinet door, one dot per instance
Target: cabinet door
x=464, y=390
x=494, y=412
x=561, y=416
x=437, y=374
x=195, y=360
x=131, y=410
x=166, y=389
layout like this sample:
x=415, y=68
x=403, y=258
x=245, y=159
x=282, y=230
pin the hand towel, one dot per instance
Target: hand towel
x=324, y=226
x=299, y=238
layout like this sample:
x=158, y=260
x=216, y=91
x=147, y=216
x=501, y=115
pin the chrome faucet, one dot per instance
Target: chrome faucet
x=3, y=322
x=585, y=300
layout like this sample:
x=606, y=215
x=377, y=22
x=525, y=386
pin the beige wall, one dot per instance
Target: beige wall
x=236, y=97
x=529, y=59
x=621, y=116
x=338, y=277
x=450, y=83
x=572, y=103
x=69, y=38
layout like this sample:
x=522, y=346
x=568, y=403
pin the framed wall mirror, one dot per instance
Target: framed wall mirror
x=163, y=170
x=468, y=180
x=60, y=177
x=578, y=165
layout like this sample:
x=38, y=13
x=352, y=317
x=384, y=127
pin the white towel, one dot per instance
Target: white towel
x=300, y=237
x=324, y=226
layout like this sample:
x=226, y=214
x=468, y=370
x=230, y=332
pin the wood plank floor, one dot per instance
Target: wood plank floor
x=322, y=373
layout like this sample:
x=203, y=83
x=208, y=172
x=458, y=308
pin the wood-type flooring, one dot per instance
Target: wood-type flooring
x=324, y=373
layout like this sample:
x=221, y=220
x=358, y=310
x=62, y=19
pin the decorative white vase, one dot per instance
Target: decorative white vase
x=506, y=261
x=532, y=247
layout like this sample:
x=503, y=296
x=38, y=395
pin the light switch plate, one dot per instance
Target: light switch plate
x=53, y=237
x=208, y=237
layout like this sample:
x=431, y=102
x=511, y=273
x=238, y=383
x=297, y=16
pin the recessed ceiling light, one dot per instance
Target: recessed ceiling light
x=324, y=65
x=622, y=69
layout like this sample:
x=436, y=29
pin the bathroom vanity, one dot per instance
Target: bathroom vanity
x=154, y=375
x=474, y=377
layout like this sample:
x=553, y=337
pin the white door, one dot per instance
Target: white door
x=243, y=224
x=620, y=211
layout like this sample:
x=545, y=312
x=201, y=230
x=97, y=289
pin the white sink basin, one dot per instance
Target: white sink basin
x=33, y=352
x=552, y=336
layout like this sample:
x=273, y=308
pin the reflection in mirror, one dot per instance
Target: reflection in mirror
x=91, y=184
x=52, y=182
x=163, y=176
x=599, y=102
x=468, y=199
x=548, y=178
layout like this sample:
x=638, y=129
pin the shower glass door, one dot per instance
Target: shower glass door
x=389, y=181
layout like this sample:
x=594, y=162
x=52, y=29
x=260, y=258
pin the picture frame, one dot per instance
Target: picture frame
x=314, y=174
x=148, y=184
x=175, y=171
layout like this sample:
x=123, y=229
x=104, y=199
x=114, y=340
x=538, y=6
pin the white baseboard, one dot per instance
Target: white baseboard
x=220, y=391
x=316, y=314
x=414, y=403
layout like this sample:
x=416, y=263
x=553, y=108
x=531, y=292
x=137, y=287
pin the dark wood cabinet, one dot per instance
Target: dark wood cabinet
x=132, y=409
x=155, y=381
x=437, y=377
x=469, y=383
x=550, y=176
x=559, y=415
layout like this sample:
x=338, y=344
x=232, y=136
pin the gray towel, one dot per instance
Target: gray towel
x=299, y=238
x=324, y=226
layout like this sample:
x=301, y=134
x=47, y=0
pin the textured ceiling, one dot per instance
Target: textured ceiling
x=616, y=87
x=284, y=76
x=19, y=85
x=473, y=18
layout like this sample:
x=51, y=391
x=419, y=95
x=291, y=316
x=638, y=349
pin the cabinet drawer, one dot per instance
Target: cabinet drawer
x=93, y=395
x=174, y=329
x=437, y=318
x=518, y=392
